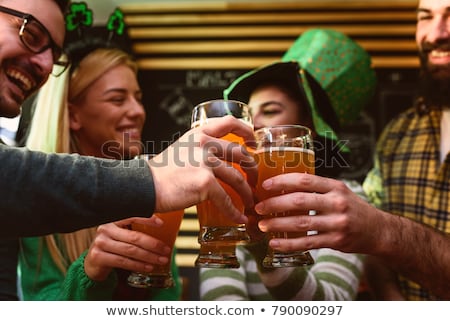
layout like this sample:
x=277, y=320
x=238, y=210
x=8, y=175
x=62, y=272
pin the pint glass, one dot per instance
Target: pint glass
x=280, y=150
x=218, y=234
x=161, y=276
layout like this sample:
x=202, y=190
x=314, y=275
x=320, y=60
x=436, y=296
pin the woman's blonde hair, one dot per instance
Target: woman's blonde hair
x=50, y=132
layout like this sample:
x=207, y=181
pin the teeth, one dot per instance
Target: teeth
x=130, y=130
x=27, y=83
x=440, y=54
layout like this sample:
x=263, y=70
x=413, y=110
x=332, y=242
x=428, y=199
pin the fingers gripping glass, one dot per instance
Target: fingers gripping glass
x=36, y=38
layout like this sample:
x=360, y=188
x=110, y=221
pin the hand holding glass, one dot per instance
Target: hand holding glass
x=218, y=234
x=280, y=150
x=161, y=276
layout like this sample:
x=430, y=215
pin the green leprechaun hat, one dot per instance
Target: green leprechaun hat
x=340, y=66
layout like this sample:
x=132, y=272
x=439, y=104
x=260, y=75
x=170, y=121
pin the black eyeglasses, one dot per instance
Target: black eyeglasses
x=36, y=38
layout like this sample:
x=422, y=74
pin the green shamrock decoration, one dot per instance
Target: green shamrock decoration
x=116, y=22
x=78, y=16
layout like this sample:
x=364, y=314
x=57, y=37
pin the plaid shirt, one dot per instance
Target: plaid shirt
x=408, y=179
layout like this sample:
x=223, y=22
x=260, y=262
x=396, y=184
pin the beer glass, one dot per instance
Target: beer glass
x=280, y=150
x=218, y=234
x=161, y=276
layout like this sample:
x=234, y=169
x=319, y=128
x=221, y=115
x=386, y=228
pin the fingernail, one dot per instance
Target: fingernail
x=163, y=260
x=158, y=221
x=167, y=250
x=262, y=226
x=148, y=268
x=274, y=243
x=267, y=184
x=259, y=208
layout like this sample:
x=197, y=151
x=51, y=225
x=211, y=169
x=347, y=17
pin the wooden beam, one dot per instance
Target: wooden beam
x=245, y=46
x=197, y=6
x=229, y=63
x=273, y=18
x=391, y=30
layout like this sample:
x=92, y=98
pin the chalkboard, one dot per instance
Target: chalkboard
x=170, y=96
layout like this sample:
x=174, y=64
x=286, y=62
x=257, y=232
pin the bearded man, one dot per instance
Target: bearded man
x=406, y=233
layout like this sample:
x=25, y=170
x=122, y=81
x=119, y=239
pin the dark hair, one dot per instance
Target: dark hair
x=63, y=5
x=77, y=50
x=323, y=103
x=331, y=160
x=293, y=93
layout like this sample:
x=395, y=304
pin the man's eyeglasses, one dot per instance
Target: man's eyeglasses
x=36, y=38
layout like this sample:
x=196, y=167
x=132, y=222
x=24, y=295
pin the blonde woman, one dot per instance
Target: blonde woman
x=93, y=109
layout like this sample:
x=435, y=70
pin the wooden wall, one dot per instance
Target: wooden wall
x=230, y=35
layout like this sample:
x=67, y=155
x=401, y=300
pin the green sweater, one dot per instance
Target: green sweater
x=42, y=280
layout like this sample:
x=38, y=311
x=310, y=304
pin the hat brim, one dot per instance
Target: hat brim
x=290, y=75
x=284, y=72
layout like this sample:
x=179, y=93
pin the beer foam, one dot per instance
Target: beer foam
x=204, y=121
x=284, y=149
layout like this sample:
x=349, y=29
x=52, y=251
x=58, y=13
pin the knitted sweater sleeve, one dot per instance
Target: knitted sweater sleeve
x=41, y=279
x=63, y=193
x=77, y=285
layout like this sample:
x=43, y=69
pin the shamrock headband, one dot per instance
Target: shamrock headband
x=83, y=37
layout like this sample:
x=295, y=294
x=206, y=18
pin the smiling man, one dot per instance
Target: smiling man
x=412, y=177
x=27, y=53
x=87, y=191
x=27, y=63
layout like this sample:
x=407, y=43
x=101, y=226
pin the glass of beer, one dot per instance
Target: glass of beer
x=218, y=234
x=161, y=276
x=280, y=150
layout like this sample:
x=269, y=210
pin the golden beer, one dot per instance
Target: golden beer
x=283, y=150
x=274, y=161
x=211, y=216
x=161, y=276
x=218, y=234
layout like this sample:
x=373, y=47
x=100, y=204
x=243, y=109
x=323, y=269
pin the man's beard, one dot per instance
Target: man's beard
x=434, y=85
